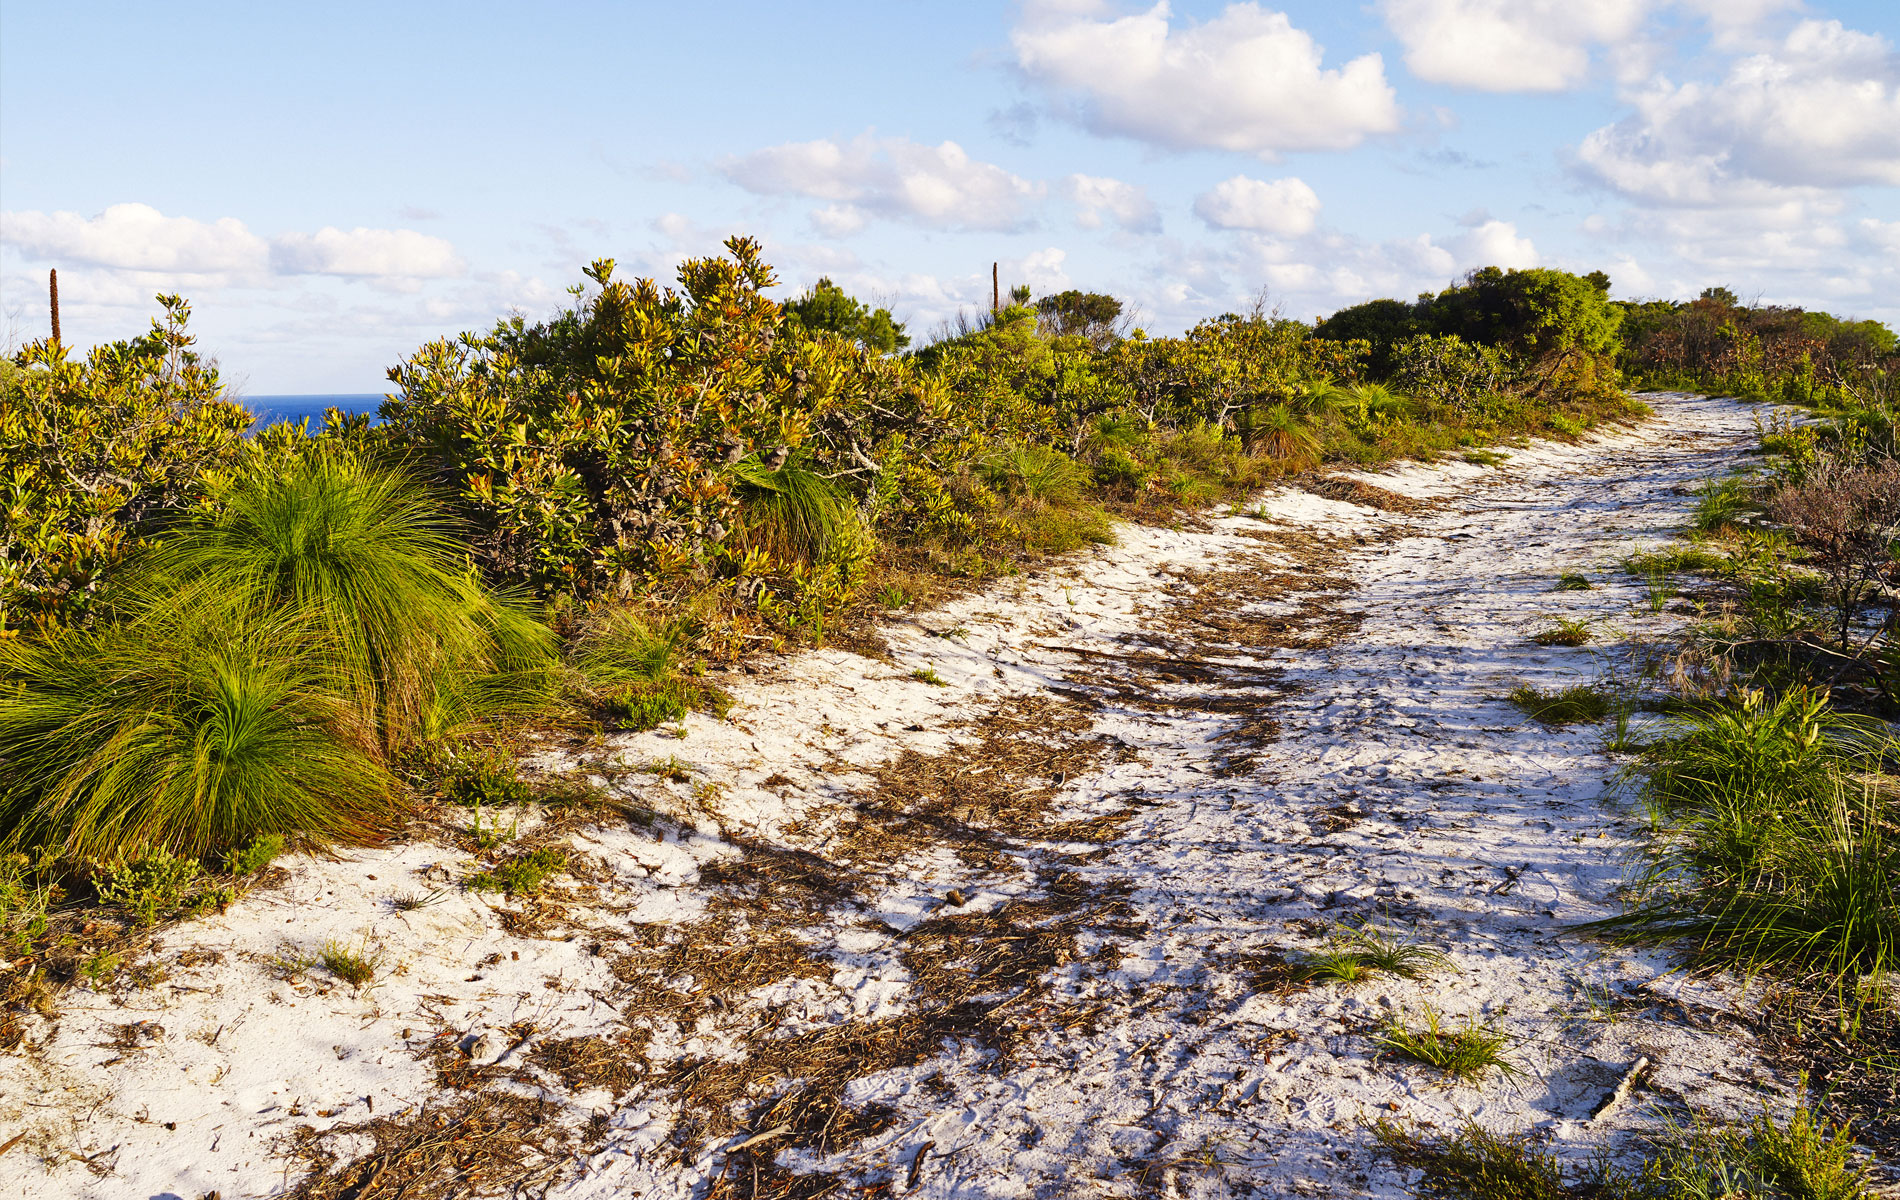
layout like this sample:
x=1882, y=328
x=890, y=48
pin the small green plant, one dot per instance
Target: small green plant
x=1570, y=581
x=1486, y=458
x=671, y=769
x=102, y=968
x=1804, y=1158
x=411, y=901
x=1722, y=504
x=1565, y=706
x=490, y=779
x=521, y=876
x=493, y=835
x=1566, y=631
x=355, y=967
x=1466, y=1053
x=153, y=885
x=892, y=596
x=254, y=855
x=1659, y=590
x=929, y=675
x=1365, y=953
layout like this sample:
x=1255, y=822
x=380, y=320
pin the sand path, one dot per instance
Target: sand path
x=1014, y=928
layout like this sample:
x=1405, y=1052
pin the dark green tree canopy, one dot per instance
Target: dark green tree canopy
x=1534, y=312
x=826, y=307
x=1383, y=323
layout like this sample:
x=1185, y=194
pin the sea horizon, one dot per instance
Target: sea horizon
x=310, y=406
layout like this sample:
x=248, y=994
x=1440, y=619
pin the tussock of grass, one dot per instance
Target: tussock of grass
x=1368, y=953
x=1466, y=1054
x=1776, y=843
x=355, y=967
x=255, y=855
x=1570, y=581
x=190, y=728
x=1675, y=559
x=1566, y=631
x=1579, y=703
x=929, y=675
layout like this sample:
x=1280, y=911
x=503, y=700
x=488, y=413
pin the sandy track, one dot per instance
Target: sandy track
x=1149, y=774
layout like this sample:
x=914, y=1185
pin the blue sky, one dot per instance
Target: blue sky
x=333, y=185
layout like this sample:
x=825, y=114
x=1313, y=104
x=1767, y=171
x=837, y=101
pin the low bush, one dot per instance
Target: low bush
x=520, y=876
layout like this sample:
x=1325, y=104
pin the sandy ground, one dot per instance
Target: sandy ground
x=1014, y=929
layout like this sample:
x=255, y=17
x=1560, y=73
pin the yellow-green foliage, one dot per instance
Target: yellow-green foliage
x=95, y=452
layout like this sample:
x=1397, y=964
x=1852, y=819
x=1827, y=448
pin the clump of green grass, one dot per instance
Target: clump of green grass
x=795, y=515
x=1675, y=559
x=189, y=728
x=671, y=768
x=520, y=876
x=1486, y=458
x=1565, y=631
x=1804, y=1158
x=1570, y=581
x=638, y=669
x=354, y=966
x=1578, y=703
x=370, y=563
x=1776, y=842
x=1477, y=1164
x=1723, y=503
x=1365, y=953
x=412, y=901
x=1466, y=1053
x=254, y=855
x=929, y=675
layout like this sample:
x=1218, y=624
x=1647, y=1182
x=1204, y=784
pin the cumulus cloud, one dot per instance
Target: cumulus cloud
x=1819, y=110
x=939, y=186
x=1282, y=206
x=1098, y=199
x=1508, y=45
x=1495, y=244
x=137, y=237
x=365, y=254
x=1247, y=80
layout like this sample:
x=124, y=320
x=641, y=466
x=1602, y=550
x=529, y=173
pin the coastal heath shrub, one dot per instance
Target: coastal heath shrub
x=595, y=453
x=96, y=453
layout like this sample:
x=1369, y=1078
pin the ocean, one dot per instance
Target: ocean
x=271, y=409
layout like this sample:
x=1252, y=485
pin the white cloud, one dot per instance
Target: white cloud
x=1821, y=110
x=1097, y=198
x=1245, y=81
x=137, y=237
x=1508, y=45
x=1495, y=244
x=1283, y=206
x=939, y=186
x=365, y=254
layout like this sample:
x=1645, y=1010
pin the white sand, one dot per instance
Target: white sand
x=1215, y=1088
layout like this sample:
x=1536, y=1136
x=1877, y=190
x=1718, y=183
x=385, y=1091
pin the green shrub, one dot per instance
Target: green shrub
x=489, y=780
x=150, y=886
x=255, y=855
x=521, y=876
x=97, y=454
